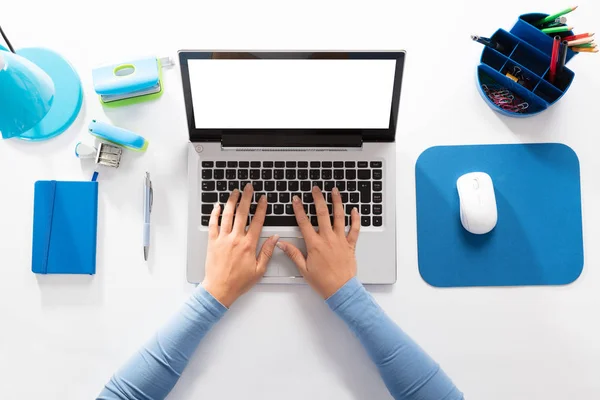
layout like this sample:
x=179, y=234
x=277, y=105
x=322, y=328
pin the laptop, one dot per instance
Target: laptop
x=285, y=122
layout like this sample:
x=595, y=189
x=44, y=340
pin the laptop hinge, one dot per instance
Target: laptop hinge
x=232, y=140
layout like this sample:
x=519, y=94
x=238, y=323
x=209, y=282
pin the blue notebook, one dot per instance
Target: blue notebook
x=65, y=219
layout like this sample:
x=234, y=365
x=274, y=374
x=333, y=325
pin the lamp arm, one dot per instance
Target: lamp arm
x=6, y=40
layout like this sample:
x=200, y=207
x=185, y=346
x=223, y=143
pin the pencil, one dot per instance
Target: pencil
x=584, y=50
x=552, y=17
x=580, y=36
x=554, y=59
x=562, y=56
x=587, y=45
x=557, y=29
x=580, y=41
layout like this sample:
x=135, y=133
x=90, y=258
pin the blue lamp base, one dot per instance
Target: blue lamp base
x=68, y=95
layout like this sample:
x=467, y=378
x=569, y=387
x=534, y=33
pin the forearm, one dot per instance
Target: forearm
x=408, y=372
x=154, y=370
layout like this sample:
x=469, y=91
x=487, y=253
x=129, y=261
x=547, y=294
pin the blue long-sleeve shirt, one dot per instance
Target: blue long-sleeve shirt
x=408, y=372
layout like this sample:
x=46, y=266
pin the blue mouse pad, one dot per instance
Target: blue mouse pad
x=538, y=239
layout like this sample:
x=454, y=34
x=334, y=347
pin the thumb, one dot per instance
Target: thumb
x=266, y=252
x=294, y=254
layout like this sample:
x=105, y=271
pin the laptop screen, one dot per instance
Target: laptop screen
x=305, y=93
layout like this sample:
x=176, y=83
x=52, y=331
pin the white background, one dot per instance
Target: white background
x=62, y=337
x=292, y=93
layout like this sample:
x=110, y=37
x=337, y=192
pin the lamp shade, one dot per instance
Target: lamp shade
x=26, y=94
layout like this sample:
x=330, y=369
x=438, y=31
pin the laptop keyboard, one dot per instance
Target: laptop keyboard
x=359, y=182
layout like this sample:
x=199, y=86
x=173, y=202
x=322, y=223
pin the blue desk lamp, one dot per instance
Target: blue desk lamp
x=40, y=93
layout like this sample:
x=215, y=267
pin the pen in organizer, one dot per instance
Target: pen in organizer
x=148, y=199
x=487, y=42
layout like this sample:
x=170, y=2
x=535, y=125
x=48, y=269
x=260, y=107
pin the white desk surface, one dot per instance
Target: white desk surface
x=62, y=337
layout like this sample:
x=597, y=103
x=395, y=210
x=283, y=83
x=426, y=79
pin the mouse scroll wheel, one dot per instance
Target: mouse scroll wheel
x=475, y=184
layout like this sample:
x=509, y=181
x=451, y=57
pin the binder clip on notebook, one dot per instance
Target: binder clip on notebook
x=130, y=82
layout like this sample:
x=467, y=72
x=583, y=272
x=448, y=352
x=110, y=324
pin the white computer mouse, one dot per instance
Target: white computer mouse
x=478, y=212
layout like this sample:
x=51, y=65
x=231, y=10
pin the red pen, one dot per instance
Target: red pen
x=581, y=36
x=554, y=59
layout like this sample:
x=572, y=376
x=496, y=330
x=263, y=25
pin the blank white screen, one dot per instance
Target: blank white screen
x=306, y=93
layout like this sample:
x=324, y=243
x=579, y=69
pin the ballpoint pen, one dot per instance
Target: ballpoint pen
x=148, y=198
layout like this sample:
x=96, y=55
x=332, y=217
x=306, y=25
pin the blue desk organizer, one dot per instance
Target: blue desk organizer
x=528, y=48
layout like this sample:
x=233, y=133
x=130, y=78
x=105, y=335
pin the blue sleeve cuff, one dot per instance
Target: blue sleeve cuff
x=346, y=292
x=213, y=305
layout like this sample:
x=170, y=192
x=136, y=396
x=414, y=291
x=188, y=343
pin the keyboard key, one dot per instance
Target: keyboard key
x=257, y=196
x=341, y=185
x=254, y=174
x=377, y=209
x=377, y=174
x=377, y=198
x=329, y=185
x=315, y=164
x=278, y=174
x=338, y=164
x=319, y=184
x=314, y=221
x=286, y=220
x=350, y=164
x=365, y=221
x=253, y=207
x=365, y=191
x=329, y=198
x=363, y=164
x=219, y=174
x=230, y=174
x=350, y=174
x=290, y=174
x=279, y=164
x=208, y=186
x=284, y=198
x=221, y=164
x=290, y=164
x=349, y=208
x=307, y=198
x=278, y=209
x=377, y=221
x=365, y=209
x=257, y=186
x=207, y=174
x=233, y=185
x=354, y=197
x=221, y=186
x=204, y=220
x=344, y=197
x=293, y=186
x=326, y=174
x=243, y=184
x=207, y=164
x=209, y=197
x=281, y=186
x=269, y=209
x=302, y=164
x=267, y=174
x=314, y=174
x=231, y=164
x=305, y=206
x=223, y=197
x=347, y=220
x=244, y=164
x=351, y=186
x=376, y=164
x=267, y=164
x=302, y=174
x=377, y=186
x=272, y=198
x=254, y=164
x=326, y=164
x=312, y=209
x=242, y=174
x=207, y=208
x=305, y=186
x=289, y=209
x=364, y=174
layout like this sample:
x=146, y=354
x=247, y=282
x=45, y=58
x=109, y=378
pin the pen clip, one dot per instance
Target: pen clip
x=151, y=196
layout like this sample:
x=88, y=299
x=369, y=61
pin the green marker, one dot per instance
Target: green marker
x=558, y=29
x=551, y=18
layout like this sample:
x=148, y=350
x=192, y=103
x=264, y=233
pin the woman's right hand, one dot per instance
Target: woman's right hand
x=331, y=259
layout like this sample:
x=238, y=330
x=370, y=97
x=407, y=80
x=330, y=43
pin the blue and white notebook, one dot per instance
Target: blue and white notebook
x=65, y=220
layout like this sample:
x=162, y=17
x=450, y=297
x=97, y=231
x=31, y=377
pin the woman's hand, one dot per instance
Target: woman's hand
x=232, y=267
x=331, y=260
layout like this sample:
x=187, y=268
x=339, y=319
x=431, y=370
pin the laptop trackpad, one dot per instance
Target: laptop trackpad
x=280, y=264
